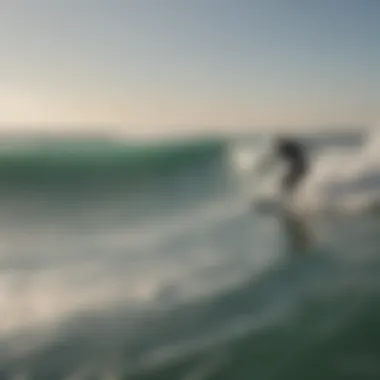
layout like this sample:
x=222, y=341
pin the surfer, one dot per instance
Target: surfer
x=293, y=153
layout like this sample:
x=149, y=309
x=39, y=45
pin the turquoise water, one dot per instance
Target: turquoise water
x=123, y=261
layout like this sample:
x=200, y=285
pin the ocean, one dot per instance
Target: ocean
x=147, y=260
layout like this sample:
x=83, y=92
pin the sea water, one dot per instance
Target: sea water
x=126, y=260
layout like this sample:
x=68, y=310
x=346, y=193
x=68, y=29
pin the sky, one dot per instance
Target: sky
x=165, y=66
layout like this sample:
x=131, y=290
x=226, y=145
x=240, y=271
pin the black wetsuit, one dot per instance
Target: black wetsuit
x=294, y=154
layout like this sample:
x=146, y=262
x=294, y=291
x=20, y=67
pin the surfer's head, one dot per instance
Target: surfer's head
x=281, y=141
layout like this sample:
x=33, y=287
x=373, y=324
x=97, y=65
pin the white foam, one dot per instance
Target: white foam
x=48, y=276
x=355, y=175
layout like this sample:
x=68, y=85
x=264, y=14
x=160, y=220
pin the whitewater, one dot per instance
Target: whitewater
x=344, y=175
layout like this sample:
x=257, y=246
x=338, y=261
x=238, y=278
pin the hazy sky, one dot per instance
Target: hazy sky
x=157, y=65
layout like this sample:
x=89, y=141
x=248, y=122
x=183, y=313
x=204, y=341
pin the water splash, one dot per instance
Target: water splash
x=343, y=177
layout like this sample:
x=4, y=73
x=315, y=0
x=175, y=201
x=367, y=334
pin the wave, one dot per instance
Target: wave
x=345, y=169
x=83, y=161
